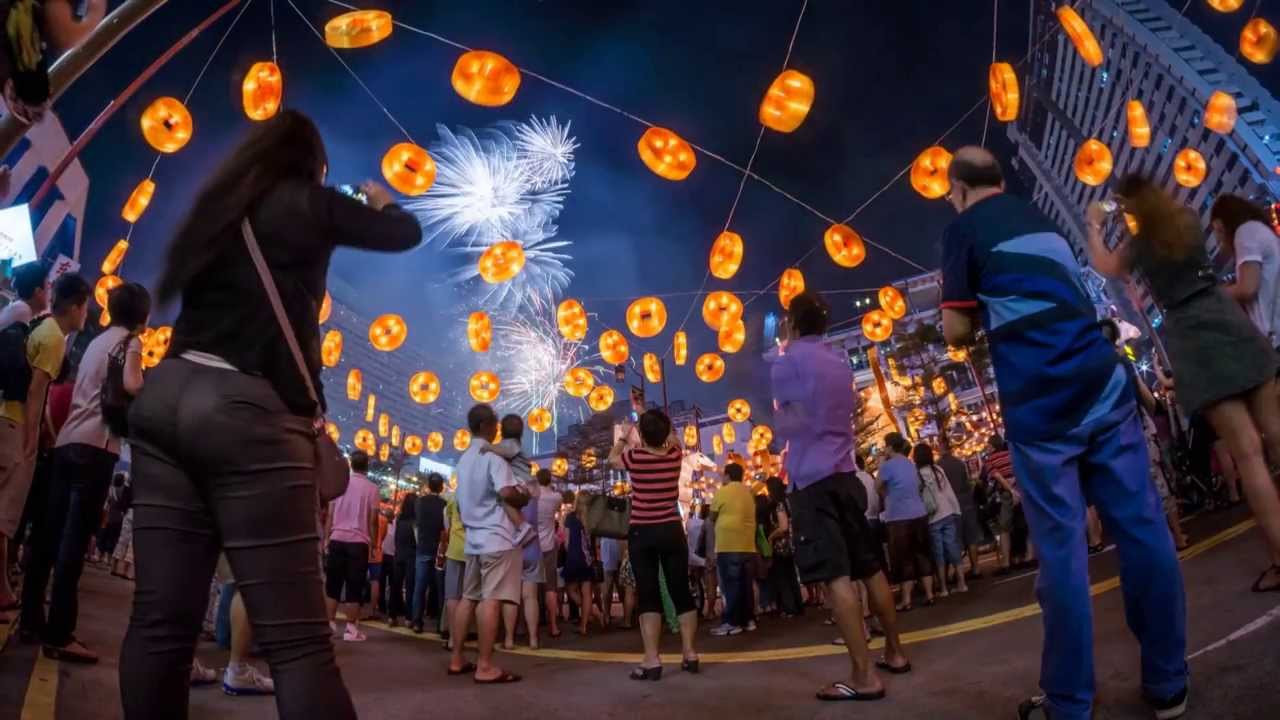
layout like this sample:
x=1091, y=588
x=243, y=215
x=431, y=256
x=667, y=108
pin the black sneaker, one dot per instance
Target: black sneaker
x=1034, y=708
x=1173, y=707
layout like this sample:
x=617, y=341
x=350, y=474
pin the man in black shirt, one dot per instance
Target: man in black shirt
x=430, y=529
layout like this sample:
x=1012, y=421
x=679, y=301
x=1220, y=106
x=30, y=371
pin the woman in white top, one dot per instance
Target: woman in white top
x=1242, y=230
x=84, y=458
x=944, y=518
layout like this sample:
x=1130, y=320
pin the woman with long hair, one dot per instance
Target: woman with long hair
x=579, y=560
x=404, y=571
x=1222, y=365
x=782, y=572
x=1244, y=231
x=944, y=519
x=224, y=433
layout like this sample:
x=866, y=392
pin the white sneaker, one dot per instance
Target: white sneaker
x=751, y=626
x=201, y=675
x=726, y=629
x=248, y=681
x=353, y=634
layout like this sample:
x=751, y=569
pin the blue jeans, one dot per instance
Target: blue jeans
x=944, y=538
x=1103, y=463
x=424, y=582
x=735, y=580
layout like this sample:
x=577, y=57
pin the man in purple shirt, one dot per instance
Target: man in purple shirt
x=814, y=398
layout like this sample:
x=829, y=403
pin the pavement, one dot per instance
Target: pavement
x=975, y=656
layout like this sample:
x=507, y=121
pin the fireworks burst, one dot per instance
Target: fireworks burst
x=544, y=275
x=544, y=150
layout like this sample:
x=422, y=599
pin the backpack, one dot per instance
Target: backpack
x=15, y=369
x=929, y=496
x=114, y=400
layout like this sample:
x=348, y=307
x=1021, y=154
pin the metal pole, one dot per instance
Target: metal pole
x=662, y=365
x=76, y=61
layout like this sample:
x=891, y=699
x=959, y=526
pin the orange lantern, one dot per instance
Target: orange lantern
x=717, y=445
x=1002, y=83
x=680, y=348
x=578, y=382
x=332, y=431
x=384, y=424
x=790, y=285
x=652, y=368
x=732, y=337
x=112, y=262
x=646, y=316
x=435, y=441
x=709, y=368
x=138, y=201
x=1226, y=6
x=539, y=419
x=1131, y=222
x=739, y=410
x=560, y=466
x=424, y=387
x=1220, y=113
x=729, y=434
x=395, y=436
x=1139, y=125
x=1093, y=162
x=388, y=332
x=364, y=440
x=357, y=29
x=355, y=383
x=613, y=347
x=726, y=255
x=762, y=434
x=571, y=318
x=262, y=91
x=501, y=261
x=384, y=452
x=600, y=398
x=331, y=348
x=408, y=168
x=892, y=302
x=413, y=445
x=104, y=318
x=721, y=308
x=485, y=78
x=462, y=439
x=929, y=172
x=877, y=326
x=479, y=331
x=167, y=125
x=957, y=354
x=1081, y=36
x=1189, y=168
x=787, y=101
x=845, y=246
x=666, y=154
x=371, y=404
x=484, y=386
x=587, y=459
x=103, y=288
x=690, y=435
x=1258, y=41
x=326, y=308
x=156, y=346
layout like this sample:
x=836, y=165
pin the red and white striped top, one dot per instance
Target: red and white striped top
x=655, y=485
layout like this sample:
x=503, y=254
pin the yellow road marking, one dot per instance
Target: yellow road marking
x=42, y=692
x=813, y=651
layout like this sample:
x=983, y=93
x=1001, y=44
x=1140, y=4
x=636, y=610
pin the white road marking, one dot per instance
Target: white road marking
x=1266, y=619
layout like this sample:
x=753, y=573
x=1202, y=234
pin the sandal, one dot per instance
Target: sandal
x=644, y=673
x=1257, y=584
x=905, y=608
x=893, y=670
x=843, y=692
x=467, y=669
x=503, y=679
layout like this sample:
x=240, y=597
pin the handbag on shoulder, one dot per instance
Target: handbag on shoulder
x=605, y=515
x=114, y=400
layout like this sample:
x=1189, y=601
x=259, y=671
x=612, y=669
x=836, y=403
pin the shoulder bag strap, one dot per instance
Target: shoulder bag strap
x=268, y=284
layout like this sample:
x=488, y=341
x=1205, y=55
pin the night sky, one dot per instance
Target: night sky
x=890, y=78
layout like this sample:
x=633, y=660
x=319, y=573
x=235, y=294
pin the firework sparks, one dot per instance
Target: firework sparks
x=544, y=150
x=544, y=273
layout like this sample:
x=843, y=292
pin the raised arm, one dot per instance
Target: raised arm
x=381, y=225
x=615, y=454
x=1111, y=263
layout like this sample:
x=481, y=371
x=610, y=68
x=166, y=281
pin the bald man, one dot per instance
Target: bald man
x=1073, y=432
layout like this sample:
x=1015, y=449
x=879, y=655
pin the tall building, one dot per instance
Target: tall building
x=1155, y=55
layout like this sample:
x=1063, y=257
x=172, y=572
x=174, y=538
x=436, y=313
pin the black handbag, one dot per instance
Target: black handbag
x=331, y=468
x=114, y=400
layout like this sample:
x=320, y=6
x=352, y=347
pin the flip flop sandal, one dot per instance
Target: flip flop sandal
x=467, y=669
x=502, y=679
x=1257, y=584
x=903, y=670
x=906, y=608
x=844, y=693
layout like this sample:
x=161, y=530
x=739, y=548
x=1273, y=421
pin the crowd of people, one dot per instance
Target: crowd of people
x=226, y=443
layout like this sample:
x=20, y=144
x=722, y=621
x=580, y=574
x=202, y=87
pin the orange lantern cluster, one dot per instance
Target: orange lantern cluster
x=1093, y=162
x=364, y=440
x=929, y=173
x=613, y=347
x=790, y=285
x=1002, y=84
x=138, y=201
x=485, y=78
x=646, y=316
x=388, y=332
x=262, y=91
x=680, y=348
x=892, y=302
x=587, y=459
x=600, y=398
x=355, y=383
x=845, y=246
x=413, y=445
x=539, y=419
x=462, y=439
x=957, y=354
x=787, y=101
x=726, y=255
x=1139, y=125
x=409, y=168
x=331, y=348
x=357, y=29
x=732, y=337
x=384, y=452
x=721, y=308
x=326, y=308
x=167, y=125
x=652, y=368
x=709, y=368
x=1220, y=113
x=877, y=326
x=1259, y=41
x=1189, y=168
x=501, y=261
x=424, y=387
x=578, y=382
x=103, y=288
x=435, y=442
x=1081, y=36
x=479, y=331
x=571, y=318
x=690, y=435
x=739, y=410
x=112, y=262
x=728, y=432
x=484, y=386
x=666, y=154
x=155, y=345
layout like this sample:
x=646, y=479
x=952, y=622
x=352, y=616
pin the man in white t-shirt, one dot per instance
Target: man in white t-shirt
x=1241, y=228
x=485, y=485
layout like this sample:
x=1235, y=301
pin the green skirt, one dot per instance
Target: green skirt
x=1216, y=351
